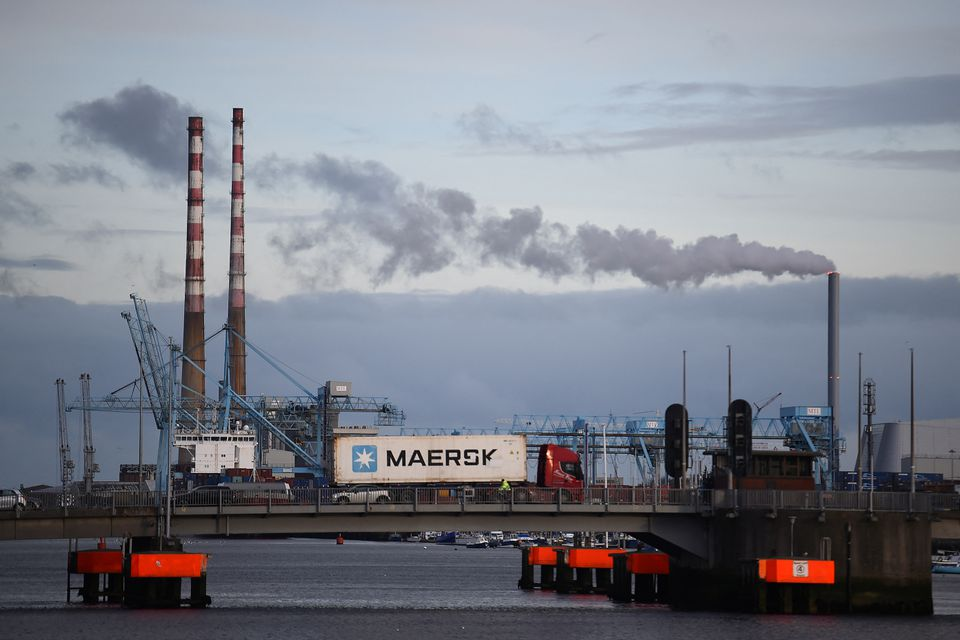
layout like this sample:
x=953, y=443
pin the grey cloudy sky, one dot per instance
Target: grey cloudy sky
x=419, y=152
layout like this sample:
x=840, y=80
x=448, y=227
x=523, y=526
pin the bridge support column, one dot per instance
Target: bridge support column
x=883, y=564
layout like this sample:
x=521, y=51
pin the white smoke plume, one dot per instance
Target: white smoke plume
x=424, y=230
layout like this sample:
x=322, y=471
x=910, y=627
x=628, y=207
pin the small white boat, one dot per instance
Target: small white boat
x=945, y=562
x=478, y=541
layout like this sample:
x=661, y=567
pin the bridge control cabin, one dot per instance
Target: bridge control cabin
x=782, y=470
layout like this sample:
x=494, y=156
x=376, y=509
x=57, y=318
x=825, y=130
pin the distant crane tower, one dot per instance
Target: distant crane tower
x=66, y=464
x=90, y=468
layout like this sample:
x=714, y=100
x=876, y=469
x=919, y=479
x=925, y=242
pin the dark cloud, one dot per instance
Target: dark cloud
x=365, y=182
x=145, y=124
x=522, y=239
x=425, y=230
x=42, y=263
x=712, y=112
x=19, y=171
x=468, y=359
x=486, y=125
x=416, y=226
x=66, y=174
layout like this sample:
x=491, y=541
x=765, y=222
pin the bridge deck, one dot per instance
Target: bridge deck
x=420, y=509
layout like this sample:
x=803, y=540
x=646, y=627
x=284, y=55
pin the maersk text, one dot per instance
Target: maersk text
x=440, y=457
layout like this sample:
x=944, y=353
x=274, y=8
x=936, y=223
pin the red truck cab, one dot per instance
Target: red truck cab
x=559, y=467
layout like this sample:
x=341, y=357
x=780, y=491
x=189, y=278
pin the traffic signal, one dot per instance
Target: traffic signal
x=739, y=437
x=675, y=440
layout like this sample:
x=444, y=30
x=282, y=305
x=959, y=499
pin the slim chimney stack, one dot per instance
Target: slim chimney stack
x=237, y=308
x=833, y=365
x=192, y=379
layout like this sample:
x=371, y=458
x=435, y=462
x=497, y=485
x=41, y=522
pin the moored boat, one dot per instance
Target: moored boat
x=945, y=562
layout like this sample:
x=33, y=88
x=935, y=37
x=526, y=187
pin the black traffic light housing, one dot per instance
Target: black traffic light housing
x=675, y=432
x=739, y=437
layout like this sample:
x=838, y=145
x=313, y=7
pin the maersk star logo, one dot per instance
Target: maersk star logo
x=364, y=458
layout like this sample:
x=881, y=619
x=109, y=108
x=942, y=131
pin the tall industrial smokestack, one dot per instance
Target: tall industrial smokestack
x=192, y=378
x=833, y=363
x=237, y=308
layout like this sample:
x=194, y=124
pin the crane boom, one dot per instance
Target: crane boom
x=767, y=402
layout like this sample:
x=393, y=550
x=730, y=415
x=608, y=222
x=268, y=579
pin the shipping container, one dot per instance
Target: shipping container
x=430, y=459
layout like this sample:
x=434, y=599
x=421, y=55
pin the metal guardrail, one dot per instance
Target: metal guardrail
x=693, y=500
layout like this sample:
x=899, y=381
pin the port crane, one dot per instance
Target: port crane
x=66, y=463
x=303, y=423
x=90, y=467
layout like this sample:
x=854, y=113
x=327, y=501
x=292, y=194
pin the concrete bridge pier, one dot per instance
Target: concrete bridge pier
x=881, y=563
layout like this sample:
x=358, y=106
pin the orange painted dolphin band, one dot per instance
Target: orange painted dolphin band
x=543, y=556
x=796, y=571
x=648, y=563
x=100, y=561
x=168, y=565
x=592, y=558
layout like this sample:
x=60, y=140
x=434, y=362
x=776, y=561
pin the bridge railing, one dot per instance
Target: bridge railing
x=517, y=497
x=832, y=500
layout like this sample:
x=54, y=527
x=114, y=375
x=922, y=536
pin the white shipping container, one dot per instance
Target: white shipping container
x=429, y=459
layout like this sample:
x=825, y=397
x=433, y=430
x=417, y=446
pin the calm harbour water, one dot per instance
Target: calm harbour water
x=305, y=588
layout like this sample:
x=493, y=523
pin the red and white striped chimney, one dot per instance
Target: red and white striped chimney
x=237, y=308
x=192, y=377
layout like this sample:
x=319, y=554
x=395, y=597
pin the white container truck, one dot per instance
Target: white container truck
x=406, y=460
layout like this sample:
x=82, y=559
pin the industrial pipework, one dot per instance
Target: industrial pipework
x=192, y=378
x=237, y=308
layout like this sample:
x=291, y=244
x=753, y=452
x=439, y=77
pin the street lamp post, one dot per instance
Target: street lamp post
x=729, y=376
x=913, y=439
x=606, y=495
x=605, y=474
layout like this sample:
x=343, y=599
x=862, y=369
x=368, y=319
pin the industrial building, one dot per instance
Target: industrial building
x=936, y=447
